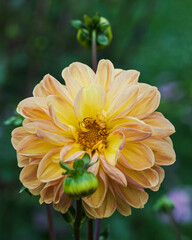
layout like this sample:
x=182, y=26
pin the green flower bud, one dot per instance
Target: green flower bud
x=165, y=205
x=80, y=186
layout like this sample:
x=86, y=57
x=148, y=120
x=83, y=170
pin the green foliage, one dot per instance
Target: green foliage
x=164, y=204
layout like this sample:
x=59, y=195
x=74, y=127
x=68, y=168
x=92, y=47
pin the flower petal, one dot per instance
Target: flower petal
x=122, y=206
x=49, y=168
x=134, y=197
x=71, y=151
x=147, y=102
x=33, y=146
x=64, y=203
x=105, y=73
x=97, y=198
x=64, y=111
x=18, y=134
x=111, y=151
x=161, y=173
x=160, y=125
x=28, y=176
x=89, y=102
x=123, y=102
x=162, y=150
x=22, y=160
x=113, y=172
x=137, y=156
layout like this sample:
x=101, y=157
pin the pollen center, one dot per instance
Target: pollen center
x=92, y=132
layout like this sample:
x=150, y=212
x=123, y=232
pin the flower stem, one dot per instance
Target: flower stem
x=94, y=51
x=77, y=222
x=50, y=221
x=175, y=226
x=97, y=229
x=90, y=230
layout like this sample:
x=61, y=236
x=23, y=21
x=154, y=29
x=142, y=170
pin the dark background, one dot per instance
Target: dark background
x=151, y=36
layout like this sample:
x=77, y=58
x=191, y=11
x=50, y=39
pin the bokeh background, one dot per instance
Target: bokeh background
x=151, y=36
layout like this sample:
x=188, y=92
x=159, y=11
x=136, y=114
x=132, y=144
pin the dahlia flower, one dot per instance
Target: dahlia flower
x=108, y=115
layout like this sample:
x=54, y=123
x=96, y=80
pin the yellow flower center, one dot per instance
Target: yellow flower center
x=92, y=132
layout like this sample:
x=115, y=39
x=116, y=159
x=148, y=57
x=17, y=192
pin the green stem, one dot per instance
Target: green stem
x=175, y=226
x=94, y=51
x=76, y=225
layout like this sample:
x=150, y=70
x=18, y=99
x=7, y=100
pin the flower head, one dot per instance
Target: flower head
x=108, y=115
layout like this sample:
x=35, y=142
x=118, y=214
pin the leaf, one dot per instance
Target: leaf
x=24, y=189
x=69, y=216
x=102, y=39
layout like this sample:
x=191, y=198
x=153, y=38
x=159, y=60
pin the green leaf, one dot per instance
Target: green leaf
x=24, y=189
x=77, y=24
x=102, y=39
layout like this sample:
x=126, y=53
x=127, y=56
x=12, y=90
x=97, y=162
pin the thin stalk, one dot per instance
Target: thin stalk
x=175, y=226
x=76, y=225
x=97, y=229
x=94, y=51
x=90, y=230
x=50, y=221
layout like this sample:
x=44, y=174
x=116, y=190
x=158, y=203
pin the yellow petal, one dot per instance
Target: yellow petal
x=95, y=168
x=53, y=138
x=33, y=107
x=117, y=71
x=18, y=134
x=137, y=156
x=124, y=121
x=160, y=125
x=28, y=176
x=134, y=197
x=124, y=79
x=104, y=74
x=113, y=172
x=123, y=102
x=36, y=191
x=71, y=151
x=106, y=209
x=113, y=145
x=163, y=151
x=48, y=192
x=77, y=75
x=146, y=178
x=147, y=102
x=22, y=160
x=64, y=203
x=89, y=102
x=33, y=146
x=49, y=168
x=64, y=111
x=97, y=198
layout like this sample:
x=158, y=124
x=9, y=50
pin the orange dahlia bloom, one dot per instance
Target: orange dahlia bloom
x=108, y=115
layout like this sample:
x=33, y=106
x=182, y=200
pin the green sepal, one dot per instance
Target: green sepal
x=78, y=165
x=86, y=158
x=96, y=18
x=88, y=21
x=102, y=40
x=77, y=23
x=24, y=189
x=66, y=167
x=69, y=216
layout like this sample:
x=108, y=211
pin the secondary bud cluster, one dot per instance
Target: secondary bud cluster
x=89, y=24
x=79, y=183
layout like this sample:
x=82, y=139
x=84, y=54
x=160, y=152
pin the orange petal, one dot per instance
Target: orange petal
x=89, y=102
x=22, y=160
x=137, y=156
x=163, y=151
x=122, y=206
x=33, y=107
x=33, y=146
x=161, y=173
x=64, y=111
x=105, y=74
x=28, y=176
x=106, y=209
x=113, y=172
x=160, y=125
x=18, y=134
x=146, y=178
x=123, y=102
x=97, y=198
x=49, y=168
x=64, y=203
x=48, y=192
x=95, y=168
x=147, y=102
x=53, y=138
x=134, y=197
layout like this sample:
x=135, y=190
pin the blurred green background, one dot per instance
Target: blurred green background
x=151, y=36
